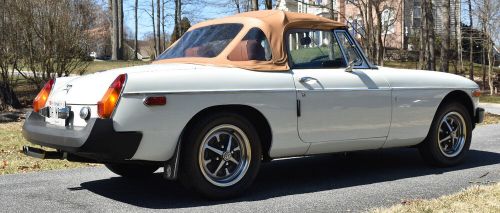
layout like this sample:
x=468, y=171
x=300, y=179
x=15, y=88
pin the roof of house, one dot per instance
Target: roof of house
x=274, y=24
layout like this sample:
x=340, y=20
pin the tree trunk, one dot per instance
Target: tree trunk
x=471, y=43
x=120, y=31
x=459, y=35
x=431, y=60
x=9, y=97
x=483, y=59
x=269, y=4
x=158, y=27
x=445, y=36
x=115, y=31
x=491, y=59
x=178, y=18
x=136, y=46
x=422, y=36
x=163, y=17
x=370, y=34
x=154, y=27
x=255, y=5
x=380, y=44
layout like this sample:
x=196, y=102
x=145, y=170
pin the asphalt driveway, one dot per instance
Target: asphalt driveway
x=326, y=183
x=491, y=107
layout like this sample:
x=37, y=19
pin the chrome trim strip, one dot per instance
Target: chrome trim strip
x=81, y=104
x=344, y=89
x=209, y=91
x=280, y=90
x=429, y=88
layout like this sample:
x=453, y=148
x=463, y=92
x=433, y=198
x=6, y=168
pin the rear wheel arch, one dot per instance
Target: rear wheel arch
x=253, y=115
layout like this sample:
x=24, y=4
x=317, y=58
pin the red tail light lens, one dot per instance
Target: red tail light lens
x=107, y=105
x=43, y=95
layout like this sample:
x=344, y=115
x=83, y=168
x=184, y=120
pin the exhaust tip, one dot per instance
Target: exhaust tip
x=42, y=154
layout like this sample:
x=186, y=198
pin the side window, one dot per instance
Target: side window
x=351, y=52
x=314, y=49
x=254, y=46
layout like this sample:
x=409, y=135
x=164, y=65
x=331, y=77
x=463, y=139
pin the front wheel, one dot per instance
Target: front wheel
x=449, y=137
x=221, y=156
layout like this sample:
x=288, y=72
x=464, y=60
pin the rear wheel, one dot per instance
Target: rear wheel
x=449, y=137
x=132, y=170
x=221, y=156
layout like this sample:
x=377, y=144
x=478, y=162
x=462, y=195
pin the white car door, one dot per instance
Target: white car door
x=335, y=104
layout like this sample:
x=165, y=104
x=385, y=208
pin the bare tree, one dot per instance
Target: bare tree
x=237, y=5
x=158, y=27
x=488, y=14
x=163, y=23
x=177, y=19
x=154, y=27
x=431, y=60
x=471, y=43
x=445, y=35
x=269, y=4
x=254, y=5
x=120, y=31
x=9, y=60
x=115, y=47
x=136, y=46
x=458, y=32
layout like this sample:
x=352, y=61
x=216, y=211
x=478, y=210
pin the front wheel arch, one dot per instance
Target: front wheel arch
x=461, y=97
x=457, y=96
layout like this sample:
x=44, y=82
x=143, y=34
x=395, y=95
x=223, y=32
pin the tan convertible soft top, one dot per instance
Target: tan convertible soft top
x=274, y=24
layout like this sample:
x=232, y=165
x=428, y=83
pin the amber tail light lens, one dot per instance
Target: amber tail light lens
x=107, y=105
x=41, y=99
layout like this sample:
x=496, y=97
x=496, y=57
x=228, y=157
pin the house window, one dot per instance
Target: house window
x=417, y=12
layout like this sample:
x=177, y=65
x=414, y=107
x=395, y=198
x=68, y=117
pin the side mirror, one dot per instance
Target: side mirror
x=351, y=64
x=352, y=59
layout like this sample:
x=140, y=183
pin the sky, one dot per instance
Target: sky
x=194, y=12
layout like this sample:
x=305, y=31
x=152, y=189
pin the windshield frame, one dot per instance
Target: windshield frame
x=366, y=64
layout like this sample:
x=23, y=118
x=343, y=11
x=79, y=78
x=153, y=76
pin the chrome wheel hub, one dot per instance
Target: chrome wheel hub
x=224, y=155
x=452, y=134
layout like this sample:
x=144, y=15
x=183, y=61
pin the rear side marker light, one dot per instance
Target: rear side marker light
x=41, y=99
x=155, y=101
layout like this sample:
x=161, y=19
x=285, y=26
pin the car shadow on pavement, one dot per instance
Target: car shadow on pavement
x=289, y=177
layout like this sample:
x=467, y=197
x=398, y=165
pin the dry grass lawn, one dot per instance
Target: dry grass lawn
x=490, y=99
x=12, y=160
x=485, y=198
x=491, y=119
x=96, y=66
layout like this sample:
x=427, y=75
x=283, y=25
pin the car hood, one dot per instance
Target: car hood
x=409, y=78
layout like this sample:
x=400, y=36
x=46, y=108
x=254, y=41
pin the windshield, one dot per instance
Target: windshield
x=206, y=42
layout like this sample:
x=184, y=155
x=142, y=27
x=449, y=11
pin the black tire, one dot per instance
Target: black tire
x=132, y=170
x=431, y=150
x=194, y=176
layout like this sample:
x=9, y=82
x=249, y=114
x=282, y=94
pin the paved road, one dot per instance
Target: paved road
x=326, y=183
x=491, y=107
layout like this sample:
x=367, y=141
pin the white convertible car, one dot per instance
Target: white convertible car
x=237, y=91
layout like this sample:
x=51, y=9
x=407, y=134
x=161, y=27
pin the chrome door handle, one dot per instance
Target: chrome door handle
x=307, y=80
